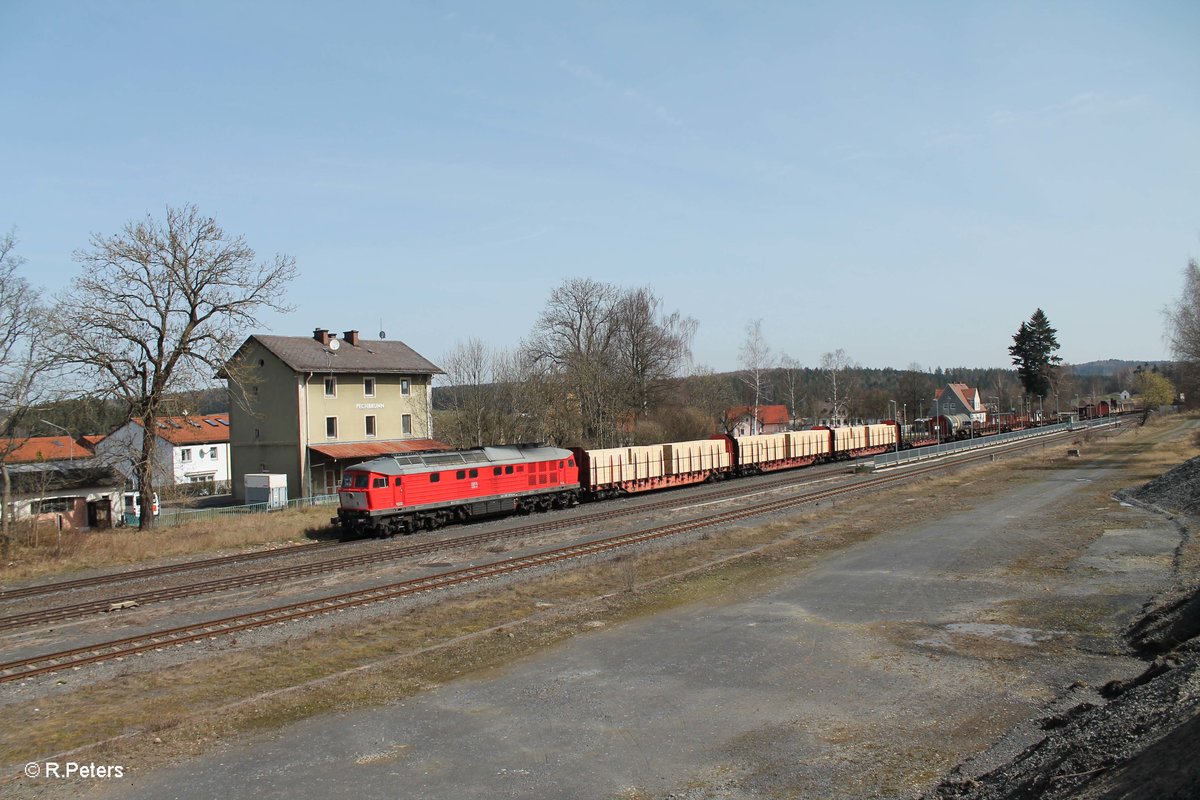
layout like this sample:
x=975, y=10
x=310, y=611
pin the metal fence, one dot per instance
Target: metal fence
x=168, y=517
x=895, y=459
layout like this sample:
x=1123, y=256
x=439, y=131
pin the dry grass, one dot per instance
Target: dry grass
x=42, y=553
x=217, y=695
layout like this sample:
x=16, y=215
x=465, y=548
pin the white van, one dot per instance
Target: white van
x=133, y=507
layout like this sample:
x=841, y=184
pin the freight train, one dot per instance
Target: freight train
x=424, y=491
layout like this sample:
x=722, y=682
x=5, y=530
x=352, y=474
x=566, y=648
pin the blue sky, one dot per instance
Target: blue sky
x=905, y=182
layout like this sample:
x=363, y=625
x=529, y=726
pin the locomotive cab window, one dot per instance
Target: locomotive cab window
x=434, y=477
x=570, y=462
x=496, y=470
x=379, y=483
x=461, y=474
x=474, y=473
x=508, y=470
x=360, y=481
x=397, y=481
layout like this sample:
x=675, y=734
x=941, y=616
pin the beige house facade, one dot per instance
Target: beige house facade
x=307, y=407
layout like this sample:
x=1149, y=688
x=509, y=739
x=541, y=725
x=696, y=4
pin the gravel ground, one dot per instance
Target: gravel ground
x=867, y=675
x=1126, y=739
x=868, y=672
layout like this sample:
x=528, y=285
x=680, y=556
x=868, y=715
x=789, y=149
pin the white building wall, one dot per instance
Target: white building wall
x=208, y=461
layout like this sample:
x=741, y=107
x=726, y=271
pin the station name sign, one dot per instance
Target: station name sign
x=363, y=406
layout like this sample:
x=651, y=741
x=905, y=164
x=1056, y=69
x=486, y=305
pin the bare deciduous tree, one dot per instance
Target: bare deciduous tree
x=469, y=368
x=792, y=373
x=652, y=346
x=1183, y=329
x=21, y=361
x=755, y=356
x=836, y=366
x=612, y=354
x=159, y=307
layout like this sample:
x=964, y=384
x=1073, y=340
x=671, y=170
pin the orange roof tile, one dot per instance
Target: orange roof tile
x=767, y=415
x=47, y=448
x=193, y=429
x=372, y=449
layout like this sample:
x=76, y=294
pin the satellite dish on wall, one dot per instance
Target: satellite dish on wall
x=382, y=335
x=334, y=344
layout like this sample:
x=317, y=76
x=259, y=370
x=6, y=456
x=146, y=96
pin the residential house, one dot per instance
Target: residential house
x=59, y=480
x=309, y=406
x=740, y=420
x=958, y=398
x=191, y=449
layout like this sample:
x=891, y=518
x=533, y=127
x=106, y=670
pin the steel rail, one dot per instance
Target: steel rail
x=78, y=610
x=157, y=640
x=303, y=549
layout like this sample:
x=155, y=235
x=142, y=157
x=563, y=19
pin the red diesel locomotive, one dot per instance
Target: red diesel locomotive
x=410, y=492
x=422, y=491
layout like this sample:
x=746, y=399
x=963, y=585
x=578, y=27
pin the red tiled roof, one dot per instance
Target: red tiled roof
x=964, y=393
x=47, y=448
x=348, y=450
x=767, y=415
x=193, y=429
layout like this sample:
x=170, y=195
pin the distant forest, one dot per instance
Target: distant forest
x=691, y=407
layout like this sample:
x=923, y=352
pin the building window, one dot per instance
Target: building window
x=368, y=387
x=406, y=424
x=212, y=452
x=53, y=505
x=371, y=425
x=405, y=388
x=185, y=455
x=330, y=386
x=331, y=427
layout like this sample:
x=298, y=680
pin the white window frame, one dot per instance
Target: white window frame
x=370, y=426
x=405, y=387
x=328, y=420
x=331, y=386
x=185, y=455
x=368, y=382
x=406, y=424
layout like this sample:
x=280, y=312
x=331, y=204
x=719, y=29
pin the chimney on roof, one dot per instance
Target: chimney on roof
x=321, y=335
x=351, y=337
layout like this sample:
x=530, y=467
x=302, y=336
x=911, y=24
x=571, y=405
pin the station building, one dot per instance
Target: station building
x=310, y=406
x=958, y=398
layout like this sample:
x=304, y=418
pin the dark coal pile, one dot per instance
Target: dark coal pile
x=1130, y=739
x=1143, y=743
x=1176, y=491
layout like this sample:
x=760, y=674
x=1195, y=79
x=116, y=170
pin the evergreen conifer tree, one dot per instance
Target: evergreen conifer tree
x=1032, y=351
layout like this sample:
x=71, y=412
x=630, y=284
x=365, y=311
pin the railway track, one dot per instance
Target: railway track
x=316, y=568
x=158, y=640
x=62, y=613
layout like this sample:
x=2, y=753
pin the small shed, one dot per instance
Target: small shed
x=268, y=488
